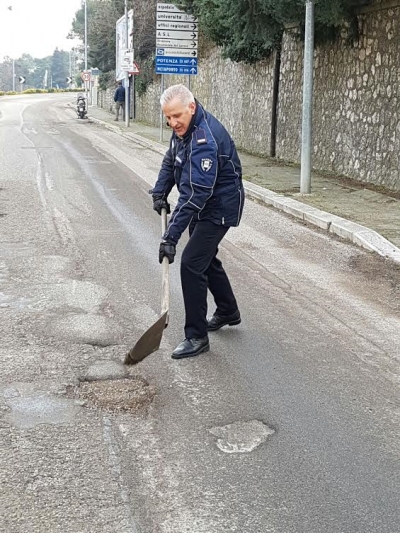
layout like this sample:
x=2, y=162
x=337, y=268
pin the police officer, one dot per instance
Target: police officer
x=203, y=163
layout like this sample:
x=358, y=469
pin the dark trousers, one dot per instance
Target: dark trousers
x=200, y=269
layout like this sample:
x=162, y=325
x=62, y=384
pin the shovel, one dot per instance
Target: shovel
x=150, y=341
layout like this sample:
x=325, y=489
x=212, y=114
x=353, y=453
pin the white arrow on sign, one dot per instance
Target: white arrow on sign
x=69, y=80
x=21, y=79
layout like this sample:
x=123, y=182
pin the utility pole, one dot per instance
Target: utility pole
x=86, y=55
x=127, y=112
x=13, y=74
x=306, y=137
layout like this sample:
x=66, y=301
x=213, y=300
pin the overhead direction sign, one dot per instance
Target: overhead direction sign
x=169, y=8
x=176, y=34
x=177, y=52
x=170, y=69
x=176, y=17
x=176, y=61
x=176, y=41
x=178, y=26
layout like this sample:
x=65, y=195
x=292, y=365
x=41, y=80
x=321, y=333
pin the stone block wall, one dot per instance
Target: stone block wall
x=356, y=117
x=240, y=96
x=356, y=121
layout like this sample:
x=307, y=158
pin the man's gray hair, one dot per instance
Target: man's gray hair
x=181, y=92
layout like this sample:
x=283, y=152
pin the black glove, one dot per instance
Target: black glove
x=160, y=202
x=167, y=249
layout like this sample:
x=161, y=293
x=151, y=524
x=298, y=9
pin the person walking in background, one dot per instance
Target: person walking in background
x=119, y=99
x=203, y=163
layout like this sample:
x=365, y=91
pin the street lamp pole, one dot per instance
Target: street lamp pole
x=127, y=112
x=306, y=137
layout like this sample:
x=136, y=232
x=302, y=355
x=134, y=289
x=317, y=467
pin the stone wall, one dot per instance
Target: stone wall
x=356, y=121
x=240, y=96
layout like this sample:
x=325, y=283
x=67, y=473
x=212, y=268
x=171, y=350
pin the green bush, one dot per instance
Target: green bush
x=34, y=91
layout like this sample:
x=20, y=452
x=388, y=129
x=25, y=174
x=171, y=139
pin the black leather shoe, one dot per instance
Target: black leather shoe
x=191, y=348
x=217, y=322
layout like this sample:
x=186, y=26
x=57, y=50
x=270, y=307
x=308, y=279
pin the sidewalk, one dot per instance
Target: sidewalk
x=367, y=218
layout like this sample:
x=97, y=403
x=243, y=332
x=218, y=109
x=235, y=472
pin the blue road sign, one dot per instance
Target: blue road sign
x=176, y=61
x=174, y=69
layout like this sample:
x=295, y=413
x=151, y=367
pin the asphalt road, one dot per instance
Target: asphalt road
x=289, y=425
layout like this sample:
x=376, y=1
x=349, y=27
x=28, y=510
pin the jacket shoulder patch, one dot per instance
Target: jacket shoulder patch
x=200, y=136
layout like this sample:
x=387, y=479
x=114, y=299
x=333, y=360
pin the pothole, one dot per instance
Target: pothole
x=126, y=394
x=242, y=437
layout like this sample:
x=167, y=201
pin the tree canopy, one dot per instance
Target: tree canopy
x=34, y=69
x=101, y=18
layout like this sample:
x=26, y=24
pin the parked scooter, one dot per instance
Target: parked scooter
x=81, y=106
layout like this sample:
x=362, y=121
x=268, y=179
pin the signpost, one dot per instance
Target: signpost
x=176, y=38
x=176, y=44
x=21, y=81
x=124, y=45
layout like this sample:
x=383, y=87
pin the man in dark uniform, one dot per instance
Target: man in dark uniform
x=119, y=99
x=203, y=163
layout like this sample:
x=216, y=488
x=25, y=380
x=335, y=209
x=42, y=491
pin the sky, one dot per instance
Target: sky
x=36, y=27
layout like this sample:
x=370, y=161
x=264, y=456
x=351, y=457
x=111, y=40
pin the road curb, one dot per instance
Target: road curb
x=351, y=231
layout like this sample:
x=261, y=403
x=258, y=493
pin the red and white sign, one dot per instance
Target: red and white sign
x=85, y=76
x=135, y=69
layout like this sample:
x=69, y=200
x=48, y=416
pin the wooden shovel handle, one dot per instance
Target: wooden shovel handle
x=165, y=272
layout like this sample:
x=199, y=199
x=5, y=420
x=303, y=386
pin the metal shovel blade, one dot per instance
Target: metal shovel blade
x=148, y=343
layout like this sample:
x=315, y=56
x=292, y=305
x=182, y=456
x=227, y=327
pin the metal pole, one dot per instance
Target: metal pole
x=127, y=112
x=13, y=70
x=306, y=137
x=86, y=55
x=161, y=112
x=133, y=104
x=189, y=82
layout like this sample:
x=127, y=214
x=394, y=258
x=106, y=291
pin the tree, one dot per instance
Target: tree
x=102, y=16
x=248, y=30
x=6, y=72
x=60, y=68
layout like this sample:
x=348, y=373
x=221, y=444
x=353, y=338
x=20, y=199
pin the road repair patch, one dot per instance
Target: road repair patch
x=126, y=394
x=241, y=437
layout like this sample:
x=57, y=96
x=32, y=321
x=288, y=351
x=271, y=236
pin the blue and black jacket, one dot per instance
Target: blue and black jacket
x=205, y=167
x=119, y=95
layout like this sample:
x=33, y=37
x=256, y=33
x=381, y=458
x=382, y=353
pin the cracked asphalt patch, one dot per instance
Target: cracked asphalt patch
x=242, y=437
